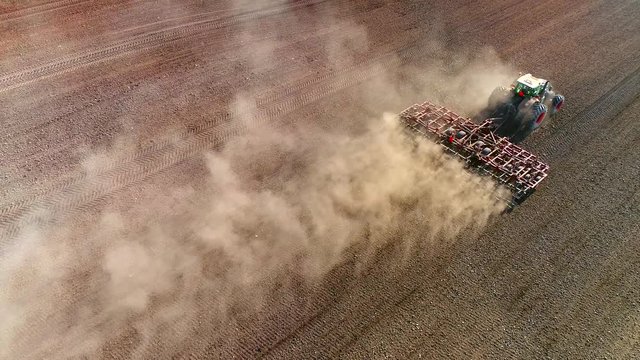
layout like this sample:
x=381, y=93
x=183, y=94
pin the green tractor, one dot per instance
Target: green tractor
x=519, y=110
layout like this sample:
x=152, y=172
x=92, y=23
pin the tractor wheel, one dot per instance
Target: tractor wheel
x=499, y=95
x=556, y=103
x=538, y=112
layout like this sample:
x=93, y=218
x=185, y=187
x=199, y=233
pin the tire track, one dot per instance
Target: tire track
x=13, y=209
x=10, y=211
x=177, y=57
x=11, y=132
x=137, y=43
x=175, y=20
x=153, y=159
x=38, y=9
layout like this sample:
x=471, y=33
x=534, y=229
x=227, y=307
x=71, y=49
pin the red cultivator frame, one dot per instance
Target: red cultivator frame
x=479, y=147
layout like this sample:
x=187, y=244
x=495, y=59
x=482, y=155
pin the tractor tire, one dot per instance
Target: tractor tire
x=556, y=103
x=538, y=113
x=499, y=96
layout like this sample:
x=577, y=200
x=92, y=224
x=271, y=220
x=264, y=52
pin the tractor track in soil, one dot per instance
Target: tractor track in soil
x=162, y=154
x=10, y=211
x=177, y=57
x=39, y=9
x=136, y=44
x=333, y=324
x=186, y=53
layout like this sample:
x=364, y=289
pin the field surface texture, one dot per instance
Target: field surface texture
x=223, y=180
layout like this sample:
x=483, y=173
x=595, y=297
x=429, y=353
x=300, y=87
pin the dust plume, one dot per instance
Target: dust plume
x=276, y=203
x=279, y=206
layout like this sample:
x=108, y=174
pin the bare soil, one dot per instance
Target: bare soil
x=157, y=80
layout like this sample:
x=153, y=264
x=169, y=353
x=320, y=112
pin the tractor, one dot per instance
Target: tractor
x=489, y=143
x=519, y=110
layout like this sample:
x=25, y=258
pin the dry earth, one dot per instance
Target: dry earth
x=148, y=147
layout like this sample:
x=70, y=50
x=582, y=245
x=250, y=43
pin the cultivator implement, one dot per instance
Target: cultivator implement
x=479, y=147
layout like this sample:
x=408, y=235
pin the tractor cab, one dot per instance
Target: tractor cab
x=529, y=86
x=519, y=110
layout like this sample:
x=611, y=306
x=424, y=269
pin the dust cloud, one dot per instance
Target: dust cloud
x=278, y=205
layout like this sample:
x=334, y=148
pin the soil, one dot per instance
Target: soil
x=557, y=278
